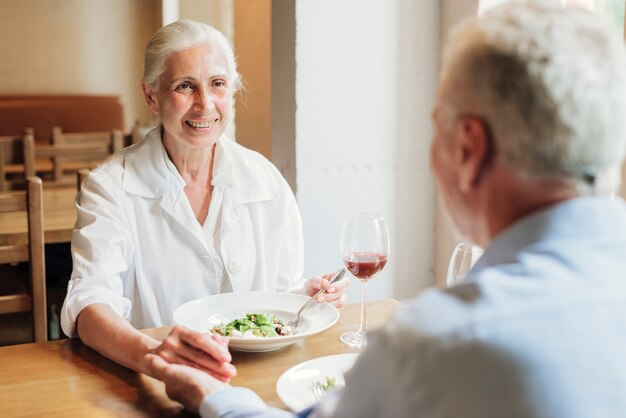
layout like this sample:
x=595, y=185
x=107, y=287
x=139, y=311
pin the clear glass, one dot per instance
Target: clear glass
x=364, y=248
x=463, y=258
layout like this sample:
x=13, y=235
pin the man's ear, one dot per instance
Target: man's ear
x=150, y=97
x=474, y=150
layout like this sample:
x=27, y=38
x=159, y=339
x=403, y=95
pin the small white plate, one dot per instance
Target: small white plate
x=204, y=313
x=295, y=386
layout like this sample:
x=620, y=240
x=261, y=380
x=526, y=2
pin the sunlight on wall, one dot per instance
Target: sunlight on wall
x=170, y=11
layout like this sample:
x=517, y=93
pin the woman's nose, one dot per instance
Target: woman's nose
x=204, y=101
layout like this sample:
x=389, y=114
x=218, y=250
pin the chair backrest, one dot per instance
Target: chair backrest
x=74, y=151
x=135, y=135
x=80, y=177
x=76, y=113
x=29, y=201
x=17, y=160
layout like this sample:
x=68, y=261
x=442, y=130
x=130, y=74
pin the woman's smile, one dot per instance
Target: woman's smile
x=201, y=124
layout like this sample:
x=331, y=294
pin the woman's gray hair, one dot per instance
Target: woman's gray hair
x=181, y=35
x=551, y=85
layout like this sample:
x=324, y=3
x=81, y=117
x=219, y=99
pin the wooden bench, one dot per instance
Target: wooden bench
x=74, y=113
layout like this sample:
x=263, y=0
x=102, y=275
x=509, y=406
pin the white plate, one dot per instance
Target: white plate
x=295, y=386
x=204, y=313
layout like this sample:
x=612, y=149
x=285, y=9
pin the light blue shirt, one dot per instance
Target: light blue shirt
x=537, y=329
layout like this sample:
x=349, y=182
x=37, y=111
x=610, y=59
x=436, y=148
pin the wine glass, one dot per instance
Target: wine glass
x=463, y=258
x=364, y=248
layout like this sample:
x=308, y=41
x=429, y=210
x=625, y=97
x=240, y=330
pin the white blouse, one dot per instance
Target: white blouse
x=138, y=247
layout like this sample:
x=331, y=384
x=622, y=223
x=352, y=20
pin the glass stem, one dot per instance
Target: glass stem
x=363, y=326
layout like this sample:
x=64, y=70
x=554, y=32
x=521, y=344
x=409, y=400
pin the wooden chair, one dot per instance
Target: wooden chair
x=32, y=299
x=74, y=151
x=17, y=160
x=80, y=177
x=134, y=136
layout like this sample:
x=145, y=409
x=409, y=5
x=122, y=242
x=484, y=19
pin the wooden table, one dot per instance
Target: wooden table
x=65, y=378
x=59, y=216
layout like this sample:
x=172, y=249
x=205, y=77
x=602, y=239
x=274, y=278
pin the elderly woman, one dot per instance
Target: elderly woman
x=185, y=213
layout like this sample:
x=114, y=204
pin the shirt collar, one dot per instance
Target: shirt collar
x=173, y=171
x=149, y=171
x=580, y=218
x=145, y=171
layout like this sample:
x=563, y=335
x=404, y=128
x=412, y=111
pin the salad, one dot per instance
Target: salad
x=254, y=325
x=327, y=384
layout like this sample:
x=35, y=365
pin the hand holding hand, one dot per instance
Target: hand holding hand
x=184, y=384
x=336, y=293
x=206, y=352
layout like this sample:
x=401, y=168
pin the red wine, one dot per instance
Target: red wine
x=365, y=265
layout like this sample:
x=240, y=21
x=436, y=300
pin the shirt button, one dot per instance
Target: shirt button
x=234, y=266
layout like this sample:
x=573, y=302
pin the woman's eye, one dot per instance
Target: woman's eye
x=219, y=84
x=184, y=87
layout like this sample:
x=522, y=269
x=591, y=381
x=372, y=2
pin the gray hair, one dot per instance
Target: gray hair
x=181, y=35
x=551, y=85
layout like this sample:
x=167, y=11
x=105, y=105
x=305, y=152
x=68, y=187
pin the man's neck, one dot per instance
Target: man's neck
x=507, y=197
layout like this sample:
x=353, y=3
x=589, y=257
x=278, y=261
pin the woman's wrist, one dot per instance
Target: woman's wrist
x=148, y=345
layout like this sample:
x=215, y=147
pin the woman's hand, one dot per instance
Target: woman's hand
x=184, y=384
x=336, y=293
x=206, y=352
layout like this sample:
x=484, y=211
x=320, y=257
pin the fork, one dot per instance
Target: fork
x=293, y=324
x=318, y=392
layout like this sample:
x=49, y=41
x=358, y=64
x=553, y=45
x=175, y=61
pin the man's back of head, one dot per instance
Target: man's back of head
x=550, y=81
x=548, y=87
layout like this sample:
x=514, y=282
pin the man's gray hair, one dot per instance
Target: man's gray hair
x=181, y=35
x=551, y=85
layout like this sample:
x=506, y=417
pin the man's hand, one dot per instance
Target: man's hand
x=187, y=385
x=206, y=352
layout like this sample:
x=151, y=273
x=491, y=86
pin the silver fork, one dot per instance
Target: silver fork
x=318, y=392
x=293, y=324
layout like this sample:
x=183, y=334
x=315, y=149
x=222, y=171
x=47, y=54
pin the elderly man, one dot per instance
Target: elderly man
x=530, y=132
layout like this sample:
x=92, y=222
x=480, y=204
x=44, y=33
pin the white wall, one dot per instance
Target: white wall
x=76, y=47
x=365, y=84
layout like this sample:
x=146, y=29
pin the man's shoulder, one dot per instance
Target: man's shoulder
x=498, y=298
x=484, y=300
x=438, y=312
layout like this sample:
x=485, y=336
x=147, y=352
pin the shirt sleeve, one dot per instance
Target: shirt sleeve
x=101, y=250
x=238, y=402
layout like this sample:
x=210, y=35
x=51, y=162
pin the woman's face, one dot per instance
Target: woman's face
x=195, y=97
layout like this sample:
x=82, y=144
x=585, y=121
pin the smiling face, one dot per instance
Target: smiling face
x=194, y=99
